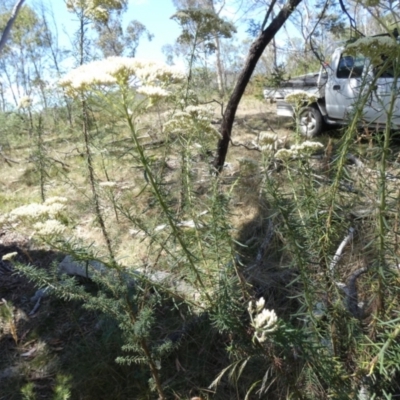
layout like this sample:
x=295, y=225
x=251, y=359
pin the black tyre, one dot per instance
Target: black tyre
x=310, y=121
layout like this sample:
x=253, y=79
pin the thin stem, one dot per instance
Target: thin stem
x=160, y=197
x=96, y=199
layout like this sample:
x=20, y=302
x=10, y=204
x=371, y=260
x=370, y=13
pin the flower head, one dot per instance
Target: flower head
x=299, y=97
x=25, y=102
x=299, y=150
x=51, y=227
x=194, y=119
x=267, y=138
x=29, y=211
x=153, y=92
x=120, y=70
x=260, y=304
x=306, y=147
x=374, y=47
x=56, y=199
x=35, y=211
x=268, y=141
x=108, y=184
x=284, y=154
x=9, y=256
x=264, y=323
x=265, y=320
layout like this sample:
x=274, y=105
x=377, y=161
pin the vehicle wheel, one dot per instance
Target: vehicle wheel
x=310, y=121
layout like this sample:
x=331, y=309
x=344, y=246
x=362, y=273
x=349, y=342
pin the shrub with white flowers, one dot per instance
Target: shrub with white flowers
x=304, y=149
x=42, y=217
x=51, y=227
x=374, y=48
x=9, y=256
x=150, y=77
x=193, y=119
x=300, y=97
x=268, y=141
x=25, y=102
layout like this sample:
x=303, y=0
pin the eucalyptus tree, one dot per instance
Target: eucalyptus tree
x=215, y=6
x=202, y=29
x=22, y=62
x=91, y=12
x=113, y=40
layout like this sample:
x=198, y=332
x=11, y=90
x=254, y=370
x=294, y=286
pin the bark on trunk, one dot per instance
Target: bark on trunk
x=255, y=52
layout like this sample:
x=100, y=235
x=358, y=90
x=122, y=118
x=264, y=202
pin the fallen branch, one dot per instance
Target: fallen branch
x=339, y=251
x=7, y=159
x=357, y=162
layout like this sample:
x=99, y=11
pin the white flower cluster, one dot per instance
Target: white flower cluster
x=41, y=215
x=193, y=119
x=25, y=102
x=154, y=92
x=56, y=199
x=51, y=227
x=268, y=141
x=119, y=70
x=374, y=48
x=108, y=184
x=300, y=97
x=305, y=149
x=35, y=211
x=262, y=320
x=9, y=256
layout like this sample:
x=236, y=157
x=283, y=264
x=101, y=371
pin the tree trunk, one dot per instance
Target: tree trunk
x=220, y=70
x=255, y=52
x=10, y=23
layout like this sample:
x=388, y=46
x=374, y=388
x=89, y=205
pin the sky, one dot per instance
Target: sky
x=154, y=14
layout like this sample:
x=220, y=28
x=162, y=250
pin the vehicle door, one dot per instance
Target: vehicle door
x=384, y=95
x=344, y=86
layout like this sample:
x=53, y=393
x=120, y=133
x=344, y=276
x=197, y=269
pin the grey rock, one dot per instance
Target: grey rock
x=88, y=269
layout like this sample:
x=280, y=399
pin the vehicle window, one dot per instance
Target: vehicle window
x=350, y=67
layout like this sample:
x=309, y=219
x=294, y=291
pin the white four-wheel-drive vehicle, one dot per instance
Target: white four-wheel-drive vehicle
x=348, y=83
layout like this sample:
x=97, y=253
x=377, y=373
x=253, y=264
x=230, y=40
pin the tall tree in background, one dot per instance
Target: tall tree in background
x=91, y=11
x=23, y=57
x=202, y=27
x=113, y=41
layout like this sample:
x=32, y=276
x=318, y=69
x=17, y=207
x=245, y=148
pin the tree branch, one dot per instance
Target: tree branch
x=255, y=52
x=10, y=23
x=351, y=19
